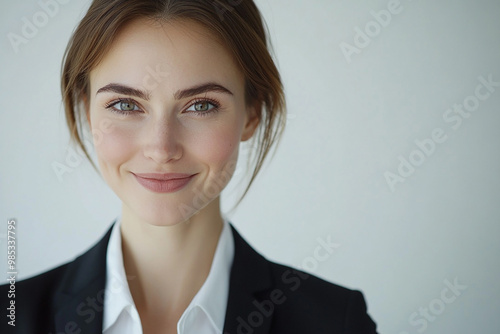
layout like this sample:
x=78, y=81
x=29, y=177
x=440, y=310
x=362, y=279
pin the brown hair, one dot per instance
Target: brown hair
x=237, y=23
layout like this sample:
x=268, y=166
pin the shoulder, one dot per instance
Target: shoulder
x=305, y=286
x=299, y=302
x=321, y=304
x=30, y=301
x=36, y=301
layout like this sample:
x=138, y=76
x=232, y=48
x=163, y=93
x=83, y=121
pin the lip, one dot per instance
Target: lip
x=163, y=183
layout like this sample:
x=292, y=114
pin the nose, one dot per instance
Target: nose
x=162, y=141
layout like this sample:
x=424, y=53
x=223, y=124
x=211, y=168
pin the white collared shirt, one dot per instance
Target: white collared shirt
x=204, y=315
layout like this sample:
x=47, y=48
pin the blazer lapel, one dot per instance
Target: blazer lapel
x=80, y=298
x=249, y=285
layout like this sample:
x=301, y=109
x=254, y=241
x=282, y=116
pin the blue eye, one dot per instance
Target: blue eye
x=127, y=106
x=202, y=107
x=123, y=106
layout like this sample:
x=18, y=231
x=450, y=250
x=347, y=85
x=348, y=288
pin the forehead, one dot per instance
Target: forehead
x=169, y=54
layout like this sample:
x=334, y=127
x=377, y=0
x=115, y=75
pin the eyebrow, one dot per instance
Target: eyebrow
x=180, y=94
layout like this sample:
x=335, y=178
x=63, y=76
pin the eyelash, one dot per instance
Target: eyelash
x=213, y=102
x=216, y=106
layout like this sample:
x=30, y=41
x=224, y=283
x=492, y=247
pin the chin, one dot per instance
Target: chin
x=157, y=213
x=162, y=218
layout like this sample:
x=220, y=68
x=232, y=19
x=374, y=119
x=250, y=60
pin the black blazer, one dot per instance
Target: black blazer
x=264, y=297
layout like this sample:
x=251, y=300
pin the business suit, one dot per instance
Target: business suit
x=264, y=297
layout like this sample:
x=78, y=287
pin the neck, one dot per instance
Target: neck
x=167, y=265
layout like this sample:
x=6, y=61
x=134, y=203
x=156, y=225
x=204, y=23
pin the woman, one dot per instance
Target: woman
x=169, y=89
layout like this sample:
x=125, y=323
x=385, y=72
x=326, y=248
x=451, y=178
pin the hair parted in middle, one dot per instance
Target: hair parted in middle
x=238, y=25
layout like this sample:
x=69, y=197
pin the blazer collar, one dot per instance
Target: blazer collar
x=79, y=300
x=249, y=284
x=80, y=297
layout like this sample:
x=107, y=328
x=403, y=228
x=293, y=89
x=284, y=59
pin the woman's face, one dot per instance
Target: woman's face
x=167, y=102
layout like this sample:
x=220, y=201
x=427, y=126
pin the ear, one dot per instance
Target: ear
x=254, y=113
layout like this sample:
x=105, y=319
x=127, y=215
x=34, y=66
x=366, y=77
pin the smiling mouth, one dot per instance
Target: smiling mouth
x=163, y=183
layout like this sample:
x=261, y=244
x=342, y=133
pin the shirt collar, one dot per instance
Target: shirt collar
x=213, y=294
x=117, y=297
x=208, y=305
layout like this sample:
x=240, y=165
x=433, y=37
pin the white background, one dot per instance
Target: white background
x=348, y=124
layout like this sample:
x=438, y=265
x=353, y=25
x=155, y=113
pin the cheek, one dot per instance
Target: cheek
x=217, y=149
x=113, y=144
x=221, y=148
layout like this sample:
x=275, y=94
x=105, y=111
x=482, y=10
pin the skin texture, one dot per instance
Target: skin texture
x=168, y=240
